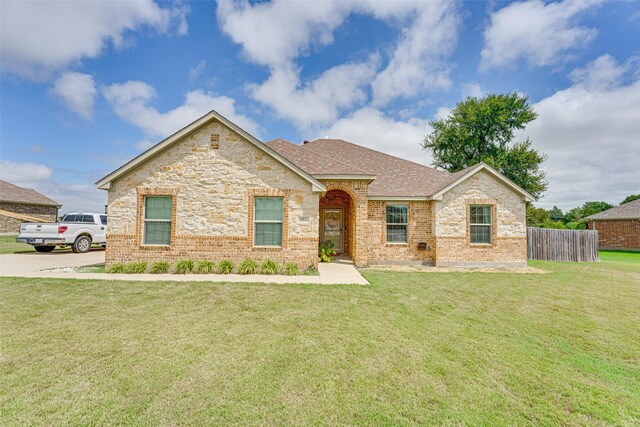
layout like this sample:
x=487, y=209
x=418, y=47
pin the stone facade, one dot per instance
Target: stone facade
x=509, y=231
x=617, y=234
x=213, y=175
x=10, y=225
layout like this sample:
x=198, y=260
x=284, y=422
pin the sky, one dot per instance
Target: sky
x=86, y=86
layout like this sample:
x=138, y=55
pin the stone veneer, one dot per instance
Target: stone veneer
x=617, y=234
x=509, y=231
x=12, y=225
x=213, y=175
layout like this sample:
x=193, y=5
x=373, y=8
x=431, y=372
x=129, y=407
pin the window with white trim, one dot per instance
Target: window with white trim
x=157, y=220
x=268, y=214
x=480, y=224
x=397, y=221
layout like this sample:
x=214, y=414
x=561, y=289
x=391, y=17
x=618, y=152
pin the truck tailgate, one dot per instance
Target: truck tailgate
x=39, y=230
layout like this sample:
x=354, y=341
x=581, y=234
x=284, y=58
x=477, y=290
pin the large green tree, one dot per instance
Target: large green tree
x=630, y=198
x=482, y=130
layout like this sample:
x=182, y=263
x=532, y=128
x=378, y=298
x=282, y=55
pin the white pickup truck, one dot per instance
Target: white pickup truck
x=79, y=230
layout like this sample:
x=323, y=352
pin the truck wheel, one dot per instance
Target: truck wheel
x=44, y=248
x=81, y=245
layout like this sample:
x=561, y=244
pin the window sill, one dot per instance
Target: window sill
x=266, y=247
x=396, y=243
x=152, y=247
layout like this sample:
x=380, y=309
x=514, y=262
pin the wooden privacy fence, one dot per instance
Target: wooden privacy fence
x=562, y=245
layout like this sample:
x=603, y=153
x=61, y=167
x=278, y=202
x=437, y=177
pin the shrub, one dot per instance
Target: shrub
x=269, y=267
x=204, y=267
x=225, y=266
x=248, y=266
x=136, y=267
x=183, y=266
x=291, y=268
x=116, y=267
x=326, y=251
x=159, y=267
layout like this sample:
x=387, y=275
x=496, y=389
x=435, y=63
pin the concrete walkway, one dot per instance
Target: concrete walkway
x=34, y=264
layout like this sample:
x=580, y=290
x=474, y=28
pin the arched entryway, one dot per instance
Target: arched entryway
x=337, y=221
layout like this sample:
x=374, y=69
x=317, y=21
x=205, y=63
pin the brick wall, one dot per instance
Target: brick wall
x=123, y=248
x=12, y=225
x=341, y=199
x=419, y=229
x=617, y=234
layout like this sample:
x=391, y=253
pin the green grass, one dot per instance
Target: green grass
x=8, y=245
x=412, y=348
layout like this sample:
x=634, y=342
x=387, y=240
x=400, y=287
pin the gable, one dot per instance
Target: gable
x=460, y=177
x=182, y=135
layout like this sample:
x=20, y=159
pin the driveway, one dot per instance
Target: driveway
x=33, y=262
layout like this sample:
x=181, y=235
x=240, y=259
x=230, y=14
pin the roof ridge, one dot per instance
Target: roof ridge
x=375, y=151
x=300, y=146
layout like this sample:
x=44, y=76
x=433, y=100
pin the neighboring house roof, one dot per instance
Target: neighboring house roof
x=630, y=210
x=13, y=194
x=105, y=183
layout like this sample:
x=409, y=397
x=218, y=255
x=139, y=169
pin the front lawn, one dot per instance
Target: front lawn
x=412, y=348
x=8, y=245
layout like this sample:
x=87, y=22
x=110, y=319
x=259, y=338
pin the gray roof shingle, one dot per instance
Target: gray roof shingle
x=13, y=194
x=629, y=210
x=395, y=177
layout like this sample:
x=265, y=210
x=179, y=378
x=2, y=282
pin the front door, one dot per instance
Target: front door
x=332, y=229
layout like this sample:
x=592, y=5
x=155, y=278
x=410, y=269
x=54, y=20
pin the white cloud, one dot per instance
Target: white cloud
x=373, y=129
x=73, y=196
x=275, y=34
x=131, y=101
x=77, y=91
x=536, y=32
x=39, y=37
x=197, y=70
x=601, y=74
x=590, y=132
x=320, y=100
x=474, y=90
x=419, y=62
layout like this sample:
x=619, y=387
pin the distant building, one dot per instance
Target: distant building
x=18, y=204
x=619, y=227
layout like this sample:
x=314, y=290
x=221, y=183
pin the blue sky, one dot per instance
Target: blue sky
x=86, y=86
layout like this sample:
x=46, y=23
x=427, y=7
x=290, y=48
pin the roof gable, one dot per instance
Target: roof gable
x=461, y=176
x=13, y=194
x=168, y=142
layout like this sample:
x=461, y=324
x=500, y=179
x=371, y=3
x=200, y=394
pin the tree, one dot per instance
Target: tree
x=630, y=198
x=556, y=214
x=482, y=130
x=589, y=208
x=536, y=216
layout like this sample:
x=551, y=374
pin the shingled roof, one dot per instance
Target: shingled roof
x=630, y=210
x=394, y=177
x=13, y=194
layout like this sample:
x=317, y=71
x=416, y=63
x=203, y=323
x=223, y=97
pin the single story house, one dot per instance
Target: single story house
x=19, y=204
x=212, y=191
x=618, y=227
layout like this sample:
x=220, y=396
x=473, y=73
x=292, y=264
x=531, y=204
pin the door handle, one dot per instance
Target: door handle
x=101, y=228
